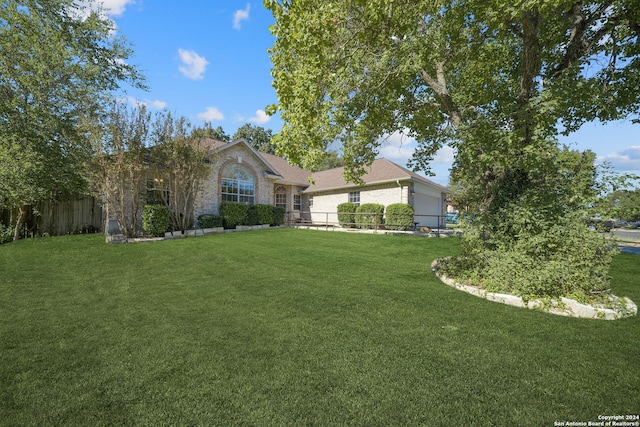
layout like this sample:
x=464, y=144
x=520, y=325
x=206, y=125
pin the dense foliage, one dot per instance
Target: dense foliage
x=233, y=214
x=369, y=216
x=59, y=64
x=210, y=221
x=346, y=214
x=278, y=215
x=625, y=204
x=495, y=81
x=155, y=219
x=265, y=214
x=399, y=216
x=256, y=136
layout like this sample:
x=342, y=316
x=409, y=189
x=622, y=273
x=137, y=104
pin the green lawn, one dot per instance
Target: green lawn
x=291, y=327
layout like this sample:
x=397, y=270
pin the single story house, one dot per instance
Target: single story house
x=240, y=173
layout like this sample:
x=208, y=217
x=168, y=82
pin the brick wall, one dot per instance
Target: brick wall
x=208, y=199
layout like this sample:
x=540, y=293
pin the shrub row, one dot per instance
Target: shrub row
x=233, y=214
x=371, y=215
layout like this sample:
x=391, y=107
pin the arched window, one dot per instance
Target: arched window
x=281, y=197
x=238, y=184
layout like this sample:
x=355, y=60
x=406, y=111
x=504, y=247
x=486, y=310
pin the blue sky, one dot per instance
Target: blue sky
x=208, y=61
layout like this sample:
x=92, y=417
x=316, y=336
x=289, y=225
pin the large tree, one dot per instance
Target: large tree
x=59, y=60
x=257, y=136
x=494, y=80
x=120, y=163
x=180, y=158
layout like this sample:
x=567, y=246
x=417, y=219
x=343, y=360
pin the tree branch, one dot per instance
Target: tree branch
x=439, y=86
x=578, y=44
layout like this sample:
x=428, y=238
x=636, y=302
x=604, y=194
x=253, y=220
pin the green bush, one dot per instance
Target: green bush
x=155, y=219
x=252, y=215
x=209, y=221
x=346, y=214
x=233, y=214
x=369, y=215
x=265, y=214
x=563, y=259
x=278, y=215
x=6, y=234
x=399, y=217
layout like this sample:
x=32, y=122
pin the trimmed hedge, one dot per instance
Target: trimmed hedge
x=233, y=214
x=265, y=214
x=278, y=215
x=346, y=214
x=252, y=215
x=369, y=215
x=399, y=217
x=210, y=221
x=155, y=219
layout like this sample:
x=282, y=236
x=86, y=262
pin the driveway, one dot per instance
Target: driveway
x=629, y=240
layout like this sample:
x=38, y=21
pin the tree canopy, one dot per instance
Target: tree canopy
x=59, y=62
x=257, y=136
x=497, y=82
x=355, y=71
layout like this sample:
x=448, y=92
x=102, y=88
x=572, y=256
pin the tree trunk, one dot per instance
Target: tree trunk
x=19, y=220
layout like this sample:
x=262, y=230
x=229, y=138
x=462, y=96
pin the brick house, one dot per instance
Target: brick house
x=239, y=173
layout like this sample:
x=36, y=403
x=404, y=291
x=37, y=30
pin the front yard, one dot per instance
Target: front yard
x=291, y=327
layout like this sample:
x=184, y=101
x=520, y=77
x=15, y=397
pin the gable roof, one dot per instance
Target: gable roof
x=381, y=171
x=275, y=166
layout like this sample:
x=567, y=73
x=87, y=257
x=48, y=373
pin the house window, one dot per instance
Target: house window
x=238, y=184
x=281, y=197
x=157, y=192
x=310, y=201
x=297, y=202
x=354, y=197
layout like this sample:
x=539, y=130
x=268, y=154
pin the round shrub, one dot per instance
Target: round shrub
x=369, y=215
x=209, y=221
x=155, y=219
x=346, y=214
x=399, y=217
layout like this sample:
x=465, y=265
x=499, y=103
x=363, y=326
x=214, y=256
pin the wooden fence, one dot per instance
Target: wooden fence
x=72, y=216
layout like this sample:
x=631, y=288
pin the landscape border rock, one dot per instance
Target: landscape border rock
x=564, y=307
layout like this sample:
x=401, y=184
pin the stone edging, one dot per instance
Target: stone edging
x=121, y=238
x=564, y=307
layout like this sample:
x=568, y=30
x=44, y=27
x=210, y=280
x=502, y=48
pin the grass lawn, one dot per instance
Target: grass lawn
x=291, y=327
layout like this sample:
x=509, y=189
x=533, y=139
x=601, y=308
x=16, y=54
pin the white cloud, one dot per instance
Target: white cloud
x=626, y=159
x=194, y=64
x=107, y=8
x=211, y=114
x=397, y=147
x=115, y=7
x=153, y=105
x=444, y=155
x=158, y=105
x=240, y=15
x=260, y=118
